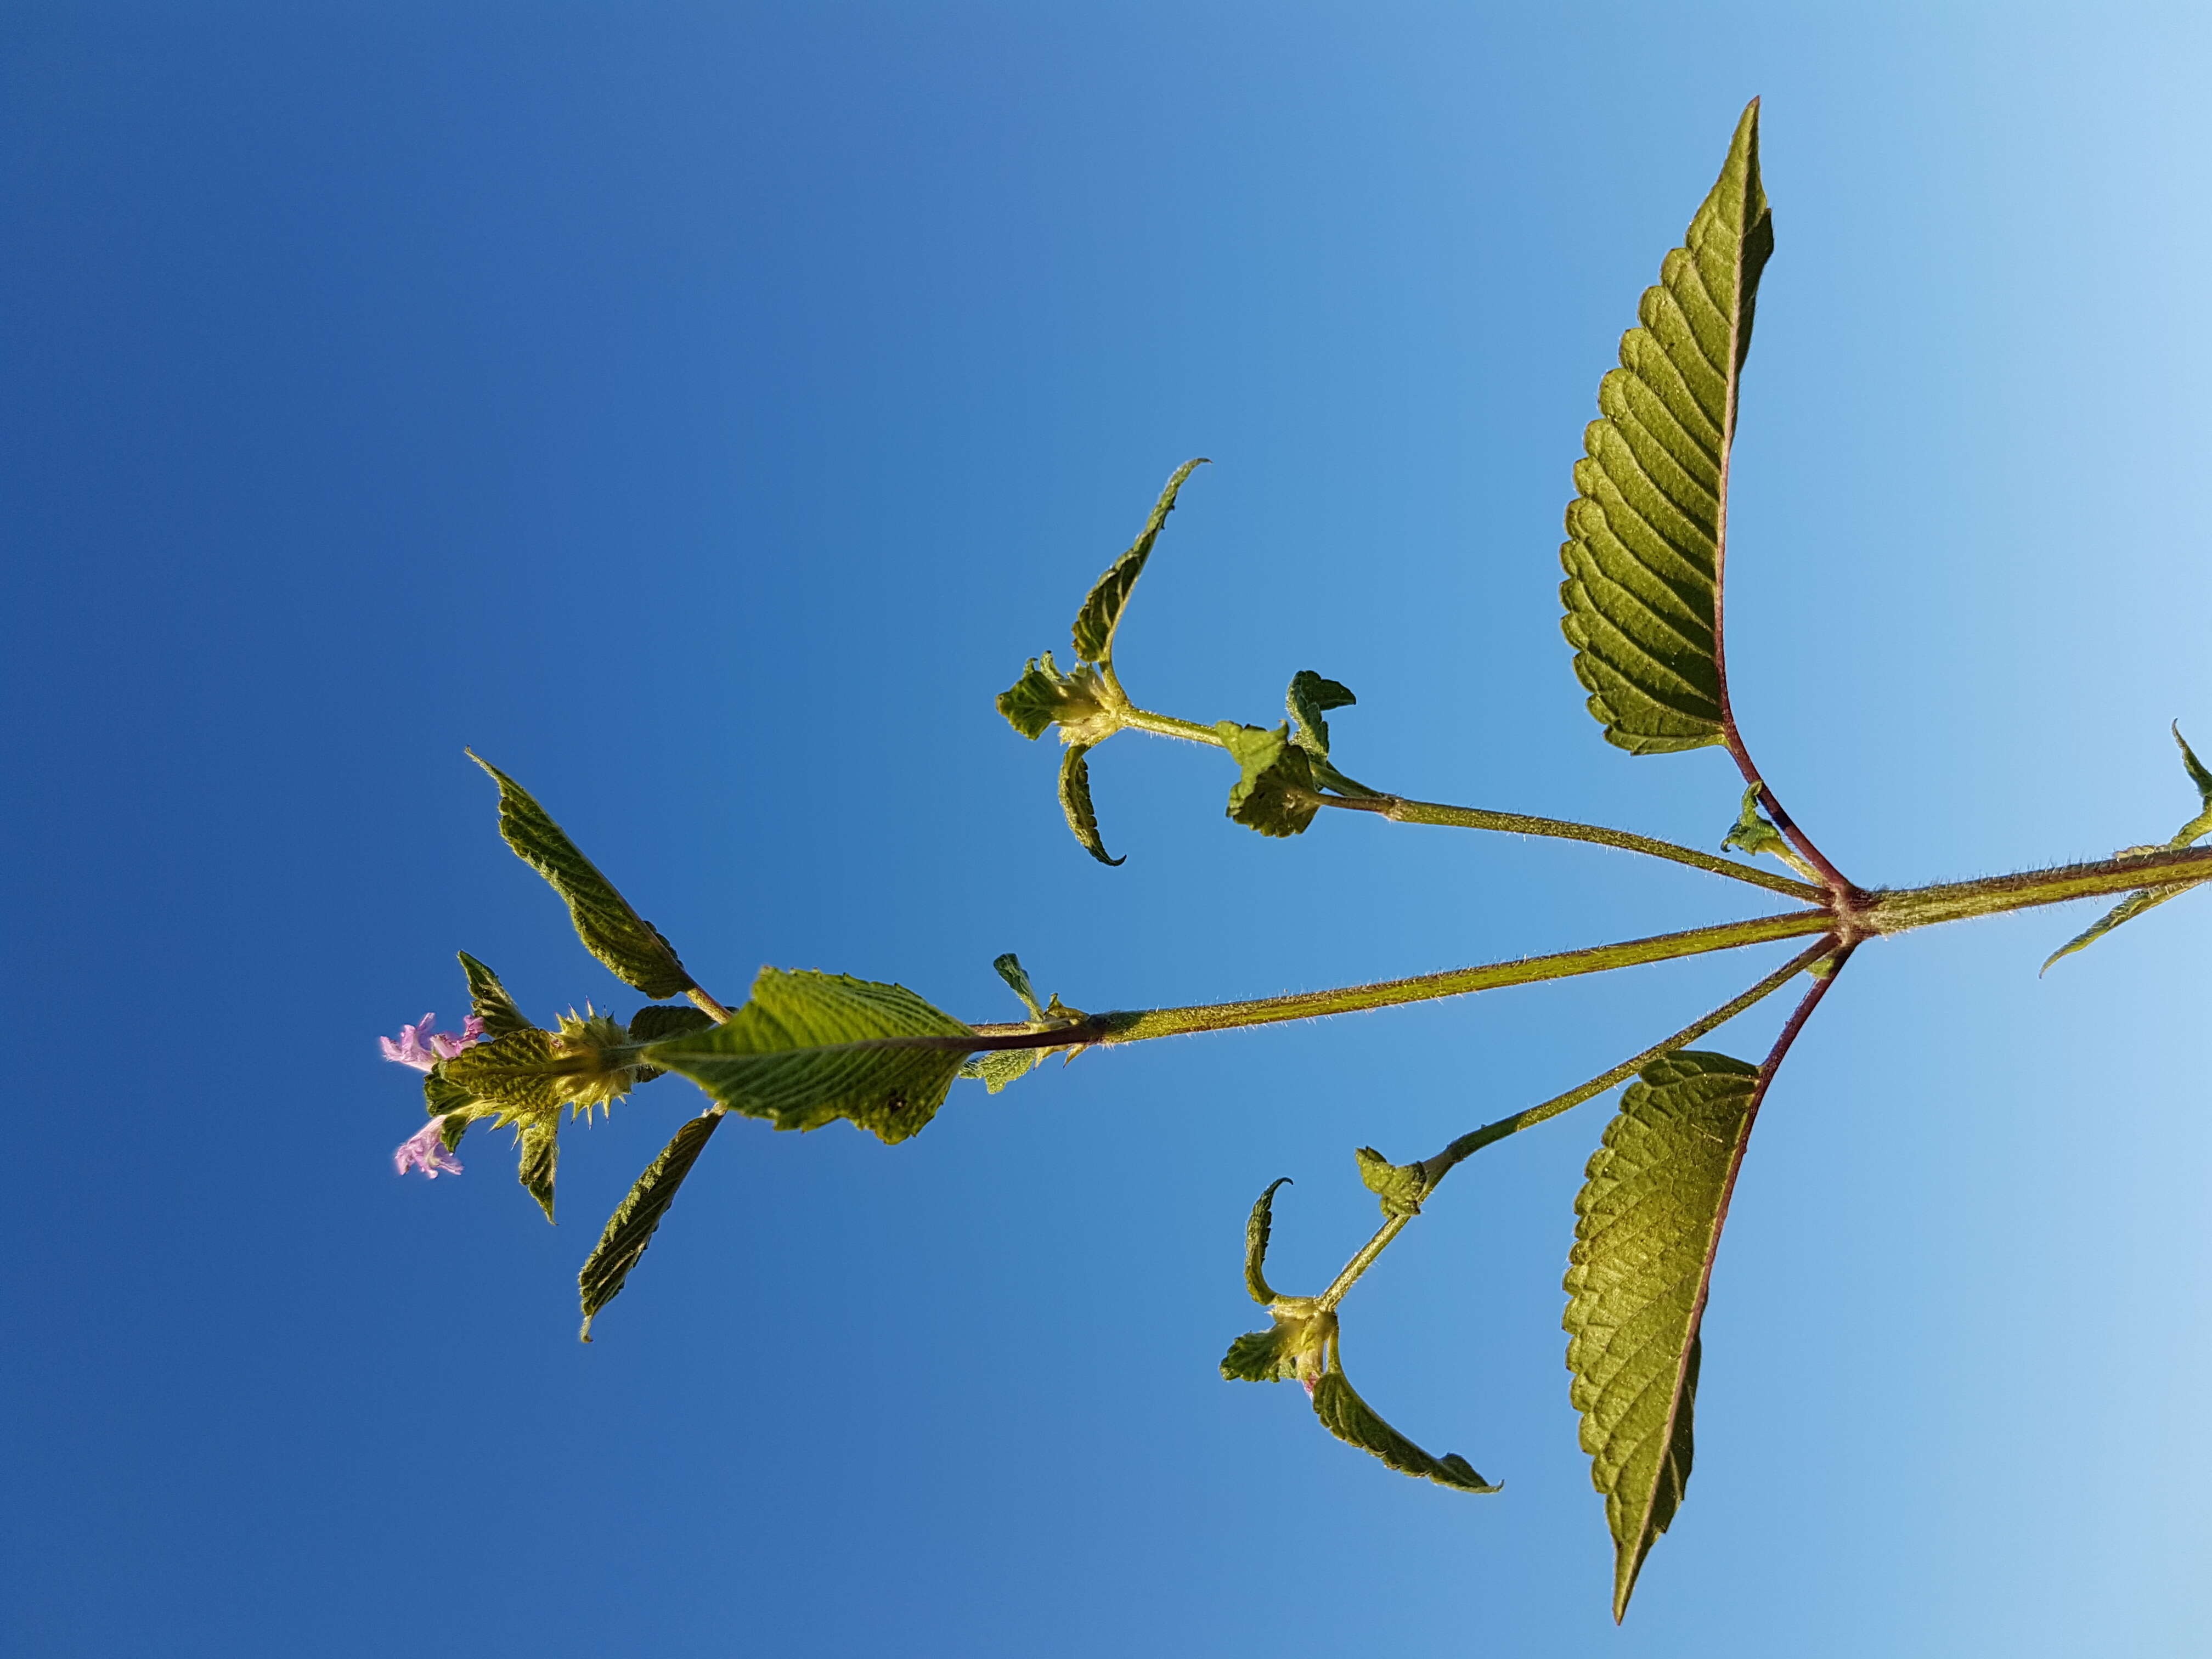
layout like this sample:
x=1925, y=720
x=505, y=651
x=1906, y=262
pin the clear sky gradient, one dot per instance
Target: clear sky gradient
x=703, y=411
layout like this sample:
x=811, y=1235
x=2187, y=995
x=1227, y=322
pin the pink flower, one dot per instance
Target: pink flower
x=427, y=1152
x=412, y=1050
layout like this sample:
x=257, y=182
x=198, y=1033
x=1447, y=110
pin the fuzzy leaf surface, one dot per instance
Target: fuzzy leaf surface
x=1101, y=615
x=1044, y=697
x=521, y=1074
x=1075, y=803
x=540, y=1151
x=1647, y=1223
x=614, y=932
x=1309, y=697
x=630, y=1229
x=489, y=1000
x=1353, y=1421
x=810, y=1047
x=1646, y=530
x=1273, y=796
x=1397, y=1187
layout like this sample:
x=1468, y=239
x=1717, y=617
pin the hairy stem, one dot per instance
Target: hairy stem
x=1399, y=809
x=706, y=1004
x=1435, y=1168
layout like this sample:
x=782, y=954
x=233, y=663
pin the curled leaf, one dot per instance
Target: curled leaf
x=1275, y=794
x=1075, y=803
x=1399, y=1187
x=1352, y=1420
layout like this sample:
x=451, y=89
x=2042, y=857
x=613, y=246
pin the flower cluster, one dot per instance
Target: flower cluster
x=411, y=1049
x=427, y=1152
x=418, y=1048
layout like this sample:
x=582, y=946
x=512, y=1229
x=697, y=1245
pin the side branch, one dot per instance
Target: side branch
x=1401, y=811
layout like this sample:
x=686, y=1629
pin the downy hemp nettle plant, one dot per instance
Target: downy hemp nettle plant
x=1645, y=559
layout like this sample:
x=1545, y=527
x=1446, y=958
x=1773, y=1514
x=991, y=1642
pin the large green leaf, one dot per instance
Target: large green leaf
x=610, y=929
x=1353, y=1421
x=810, y=1047
x=630, y=1229
x=1647, y=532
x=2150, y=898
x=1102, y=607
x=1648, y=1221
x=522, y=1073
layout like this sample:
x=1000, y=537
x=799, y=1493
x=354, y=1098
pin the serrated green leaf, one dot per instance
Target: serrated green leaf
x=1101, y=615
x=444, y=1098
x=614, y=932
x=1308, y=699
x=1646, y=529
x=810, y=1047
x=2150, y=898
x=630, y=1229
x=1075, y=803
x=539, y=1142
x=1353, y=1421
x=1257, y=1228
x=489, y=1000
x=1275, y=795
x=1009, y=968
x=1398, y=1186
x=1044, y=697
x=519, y=1074
x=1259, y=1357
x=1648, y=1221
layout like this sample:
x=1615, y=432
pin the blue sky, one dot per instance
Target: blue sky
x=702, y=411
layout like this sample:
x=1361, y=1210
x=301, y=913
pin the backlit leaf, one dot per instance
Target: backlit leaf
x=539, y=1145
x=610, y=929
x=1044, y=697
x=1308, y=699
x=1646, y=531
x=1648, y=1221
x=810, y=1047
x=1399, y=1187
x=1101, y=613
x=1353, y=1421
x=630, y=1229
x=1275, y=795
x=489, y=1000
x=1075, y=803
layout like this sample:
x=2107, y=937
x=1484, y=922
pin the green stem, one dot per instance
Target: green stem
x=1435, y=1168
x=1958, y=901
x=1401, y=811
x=1167, y=726
x=1361, y=1262
x=1138, y=1027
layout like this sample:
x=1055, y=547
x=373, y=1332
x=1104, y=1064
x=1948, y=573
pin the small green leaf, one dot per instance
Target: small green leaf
x=610, y=929
x=666, y=1019
x=539, y=1142
x=2150, y=898
x=810, y=1047
x=1398, y=1186
x=630, y=1229
x=1260, y=1357
x=1353, y=1421
x=1101, y=613
x=1645, y=547
x=1275, y=795
x=489, y=1000
x=1044, y=697
x=1308, y=699
x=1075, y=802
x=995, y=1068
x=1753, y=833
x=1009, y=968
x=1257, y=1228
x=1648, y=1223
